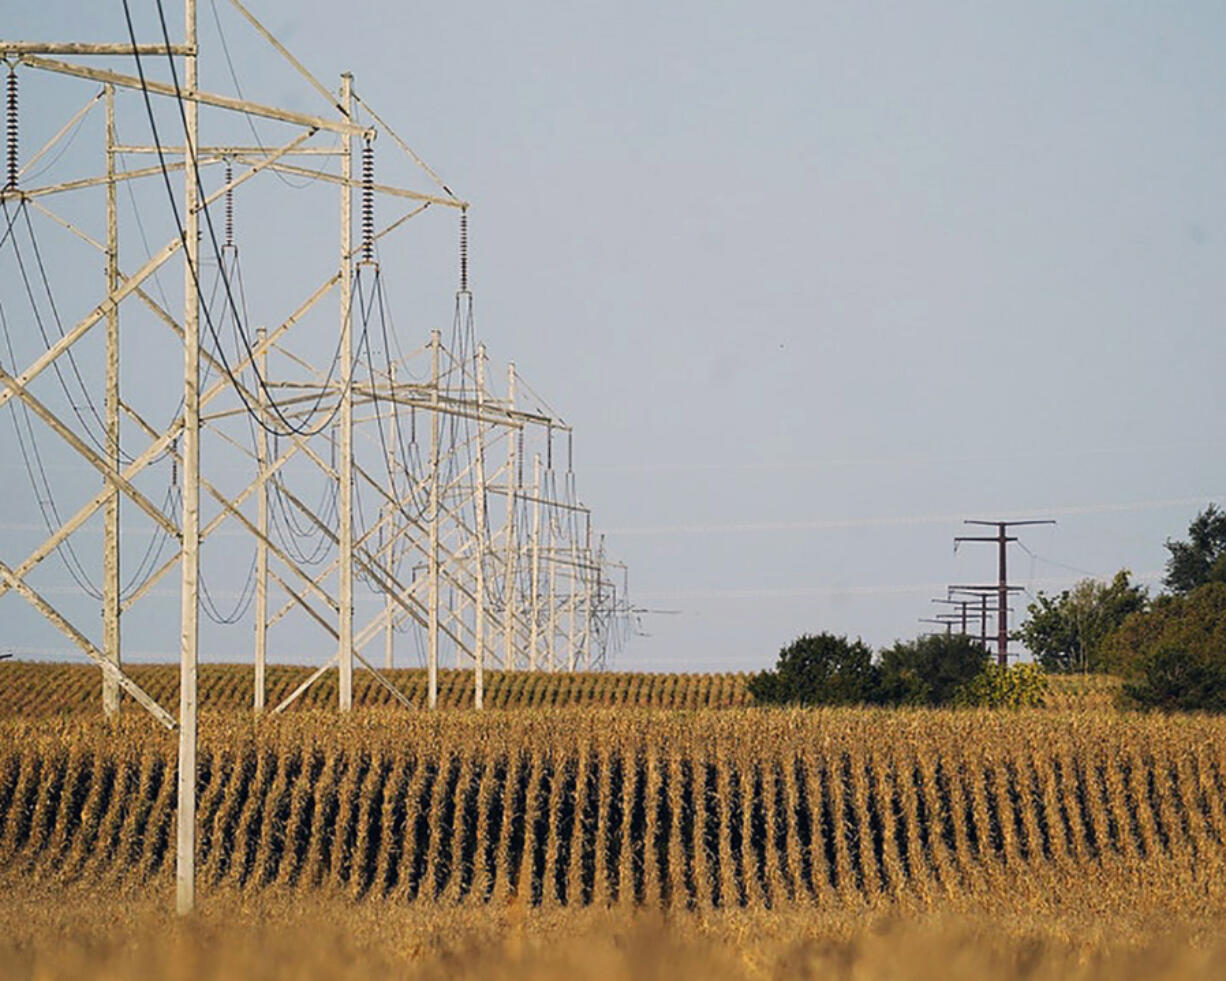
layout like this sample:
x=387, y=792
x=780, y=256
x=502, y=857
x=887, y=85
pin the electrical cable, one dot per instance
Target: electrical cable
x=255, y=133
x=241, y=606
x=41, y=486
x=289, y=428
x=99, y=443
x=66, y=144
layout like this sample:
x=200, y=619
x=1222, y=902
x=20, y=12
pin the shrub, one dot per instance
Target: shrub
x=1020, y=686
x=1065, y=633
x=818, y=669
x=1173, y=656
x=929, y=670
x=1173, y=678
x=1202, y=558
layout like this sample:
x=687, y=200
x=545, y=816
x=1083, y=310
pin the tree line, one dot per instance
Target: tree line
x=1170, y=650
x=934, y=670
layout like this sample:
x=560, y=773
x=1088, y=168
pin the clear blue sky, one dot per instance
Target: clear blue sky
x=813, y=281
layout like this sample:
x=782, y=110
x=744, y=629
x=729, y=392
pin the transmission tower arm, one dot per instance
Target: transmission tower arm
x=1001, y=540
x=1010, y=524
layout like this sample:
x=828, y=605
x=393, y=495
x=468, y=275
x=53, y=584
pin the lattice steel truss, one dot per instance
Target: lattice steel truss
x=465, y=534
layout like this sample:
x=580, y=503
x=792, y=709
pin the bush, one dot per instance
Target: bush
x=1021, y=686
x=1172, y=678
x=1065, y=633
x=818, y=670
x=1202, y=558
x=824, y=669
x=1173, y=656
x=929, y=670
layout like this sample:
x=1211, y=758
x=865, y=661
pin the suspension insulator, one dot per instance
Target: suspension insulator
x=229, y=206
x=12, y=130
x=463, y=250
x=368, y=202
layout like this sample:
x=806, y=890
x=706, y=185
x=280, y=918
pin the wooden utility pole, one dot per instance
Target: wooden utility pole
x=589, y=611
x=945, y=621
x=389, y=510
x=982, y=593
x=963, y=604
x=261, y=543
x=345, y=490
x=534, y=601
x=1001, y=539
x=185, y=861
x=479, y=611
x=508, y=606
x=432, y=559
x=111, y=598
x=551, y=609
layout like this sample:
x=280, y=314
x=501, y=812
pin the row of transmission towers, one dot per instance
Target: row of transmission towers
x=973, y=603
x=441, y=488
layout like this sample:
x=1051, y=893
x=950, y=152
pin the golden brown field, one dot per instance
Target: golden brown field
x=30, y=688
x=611, y=842
x=35, y=689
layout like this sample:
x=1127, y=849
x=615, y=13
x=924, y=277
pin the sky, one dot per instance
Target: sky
x=814, y=282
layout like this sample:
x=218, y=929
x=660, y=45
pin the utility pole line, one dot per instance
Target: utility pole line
x=944, y=621
x=982, y=593
x=288, y=412
x=1001, y=539
x=959, y=603
x=326, y=595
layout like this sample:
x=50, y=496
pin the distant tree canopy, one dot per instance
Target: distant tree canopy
x=940, y=669
x=819, y=669
x=1066, y=632
x=1194, y=622
x=929, y=670
x=1172, y=678
x=1202, y=558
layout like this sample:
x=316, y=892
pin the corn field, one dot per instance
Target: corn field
x=35, y=689
x=30, y=689
x=755, y=809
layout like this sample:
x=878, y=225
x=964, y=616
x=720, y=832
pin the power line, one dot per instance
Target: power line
x=1001, y=540
x=289, y=428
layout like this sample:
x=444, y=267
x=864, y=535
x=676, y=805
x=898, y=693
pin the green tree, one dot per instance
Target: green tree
x=819, y=669
x=1065, y=633
x=929, y=670
x=1202, y=558
x=1173, y=679
x=1173, y=655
